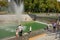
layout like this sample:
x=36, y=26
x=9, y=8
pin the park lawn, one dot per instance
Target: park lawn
x=35, y=26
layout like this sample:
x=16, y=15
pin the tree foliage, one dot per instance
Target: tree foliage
x=3, y=3
x=39, y=5
x=42, y=6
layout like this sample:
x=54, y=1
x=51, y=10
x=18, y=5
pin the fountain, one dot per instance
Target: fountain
x=8, y=23
x=18, y=8
x=18, y=2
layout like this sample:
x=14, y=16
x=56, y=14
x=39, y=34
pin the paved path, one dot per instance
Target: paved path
x=48, y=36
x=36, y=37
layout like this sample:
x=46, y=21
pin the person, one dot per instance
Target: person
x=30, y=29
x=17, y=34
x=20, y=28
x=54, y=26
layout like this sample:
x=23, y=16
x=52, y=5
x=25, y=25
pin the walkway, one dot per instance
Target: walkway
x=48, y=36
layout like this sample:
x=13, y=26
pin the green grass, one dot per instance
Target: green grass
x=7, y=33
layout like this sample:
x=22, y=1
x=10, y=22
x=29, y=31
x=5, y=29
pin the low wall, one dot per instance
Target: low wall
x=13, y=18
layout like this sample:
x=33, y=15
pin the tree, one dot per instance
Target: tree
x=38, y=5
x=3, y=3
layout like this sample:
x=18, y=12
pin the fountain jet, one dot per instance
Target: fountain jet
x=18, y=1
x=17, y=7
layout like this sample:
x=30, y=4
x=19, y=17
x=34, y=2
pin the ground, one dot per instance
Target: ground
x=46, y=36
